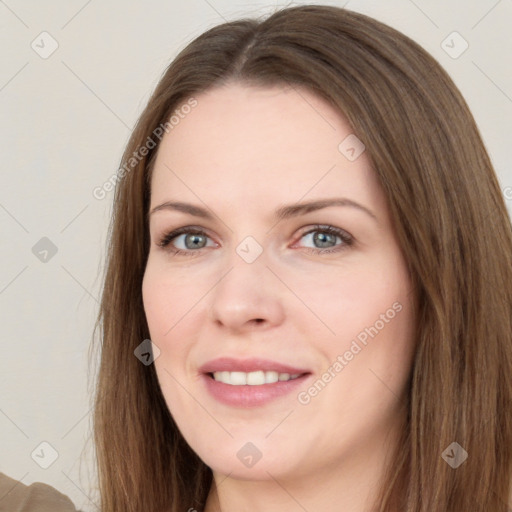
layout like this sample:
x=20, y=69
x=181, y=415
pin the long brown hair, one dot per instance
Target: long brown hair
x=454, y=231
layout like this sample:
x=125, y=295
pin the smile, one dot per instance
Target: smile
x=254, y=382
x=257, y=378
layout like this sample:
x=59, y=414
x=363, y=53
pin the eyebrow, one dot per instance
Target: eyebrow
x=282, y=213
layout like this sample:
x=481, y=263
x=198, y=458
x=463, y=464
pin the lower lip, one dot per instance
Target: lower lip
x=251, y=396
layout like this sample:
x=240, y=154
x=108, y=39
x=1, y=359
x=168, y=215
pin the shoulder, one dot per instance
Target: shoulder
x=37, y=497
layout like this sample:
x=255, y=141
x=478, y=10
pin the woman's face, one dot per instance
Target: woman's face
x=285, y=265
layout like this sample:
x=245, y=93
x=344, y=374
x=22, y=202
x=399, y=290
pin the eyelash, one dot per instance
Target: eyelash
x=331, y=230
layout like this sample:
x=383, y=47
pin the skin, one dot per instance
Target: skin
x=243, y=152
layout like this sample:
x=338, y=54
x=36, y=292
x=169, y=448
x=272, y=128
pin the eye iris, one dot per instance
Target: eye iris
x=193, y=241
x=324, y=239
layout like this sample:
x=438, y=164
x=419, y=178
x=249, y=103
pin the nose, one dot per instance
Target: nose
x=247, y=298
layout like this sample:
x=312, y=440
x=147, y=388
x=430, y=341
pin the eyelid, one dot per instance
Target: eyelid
x=166, y=238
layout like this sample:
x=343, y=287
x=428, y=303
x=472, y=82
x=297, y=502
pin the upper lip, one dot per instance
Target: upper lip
x=228, y=364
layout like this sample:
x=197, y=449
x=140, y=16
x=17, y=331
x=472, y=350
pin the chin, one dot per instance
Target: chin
x=247, y=460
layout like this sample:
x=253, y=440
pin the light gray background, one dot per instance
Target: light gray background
x=65, y=121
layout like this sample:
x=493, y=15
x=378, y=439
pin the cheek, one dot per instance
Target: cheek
x=168, y=300
x=172, y=304
x=366, y=372
x=164, y=307
x=376, y=346
x=348, y=300
x=368, y=320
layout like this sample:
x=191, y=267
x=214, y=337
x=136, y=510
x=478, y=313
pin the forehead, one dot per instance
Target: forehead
x=276, y=144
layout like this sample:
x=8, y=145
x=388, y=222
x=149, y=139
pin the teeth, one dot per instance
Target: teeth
x=252, y=378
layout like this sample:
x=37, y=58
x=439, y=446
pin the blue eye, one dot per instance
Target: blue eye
x=191, y=241
x=188, y=241
x=325, y=239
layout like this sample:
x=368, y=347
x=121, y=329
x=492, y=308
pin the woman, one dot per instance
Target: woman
x=309, y=230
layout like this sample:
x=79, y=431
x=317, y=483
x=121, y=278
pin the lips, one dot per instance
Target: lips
x=227, y=364
x=247, y=395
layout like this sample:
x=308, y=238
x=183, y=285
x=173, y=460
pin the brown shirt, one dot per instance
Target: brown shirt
x=37, y=497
